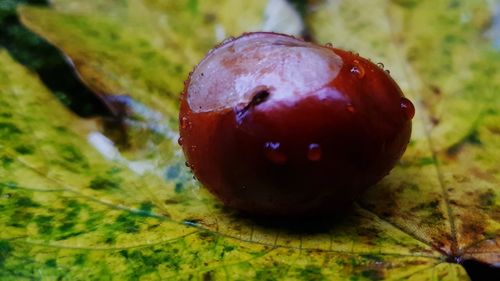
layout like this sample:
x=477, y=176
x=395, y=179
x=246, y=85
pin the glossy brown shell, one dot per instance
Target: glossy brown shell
x=314, y=155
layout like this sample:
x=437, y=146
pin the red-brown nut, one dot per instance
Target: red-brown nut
x=274, y=125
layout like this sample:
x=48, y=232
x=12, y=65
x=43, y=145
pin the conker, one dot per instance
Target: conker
x=274, y=125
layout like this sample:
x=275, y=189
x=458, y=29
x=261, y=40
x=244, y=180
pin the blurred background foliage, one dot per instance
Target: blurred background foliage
x=39, y=56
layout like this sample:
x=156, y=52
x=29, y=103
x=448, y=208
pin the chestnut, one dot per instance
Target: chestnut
x=274, y=125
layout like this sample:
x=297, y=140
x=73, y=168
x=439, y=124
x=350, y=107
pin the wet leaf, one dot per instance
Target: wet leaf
x=67, y=210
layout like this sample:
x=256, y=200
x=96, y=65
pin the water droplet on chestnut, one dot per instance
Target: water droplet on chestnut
x=408, y=108
x=357, y=69
x=314, y=152
x=274, y=153
x=184, y=122
x=263, y=97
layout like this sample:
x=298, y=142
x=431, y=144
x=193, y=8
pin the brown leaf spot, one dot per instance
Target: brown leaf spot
x=461, y=178
x=472, y=227
x=487, y=199
x=483, y=175
x=435, y=90
x=435, y=120
x=494, y=130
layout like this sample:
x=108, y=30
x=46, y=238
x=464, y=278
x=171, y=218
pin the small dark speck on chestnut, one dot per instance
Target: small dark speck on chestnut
x=273, y=125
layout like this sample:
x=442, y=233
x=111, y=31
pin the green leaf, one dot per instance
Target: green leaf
x=67, y=211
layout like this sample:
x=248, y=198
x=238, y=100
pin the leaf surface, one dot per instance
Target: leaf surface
x=95, y=217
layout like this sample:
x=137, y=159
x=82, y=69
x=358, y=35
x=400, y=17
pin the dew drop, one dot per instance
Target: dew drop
x=272, y=151
x=408, y=108
x=187, y=164
x=387, y=71
x=314, y=152
x=184, y=121
x=227, y=40
x=329, y=45
x=357, y=69
x=381, y=65
x=179, y=141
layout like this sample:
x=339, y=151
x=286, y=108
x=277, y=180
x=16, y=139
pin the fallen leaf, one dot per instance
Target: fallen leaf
x=97, y=218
